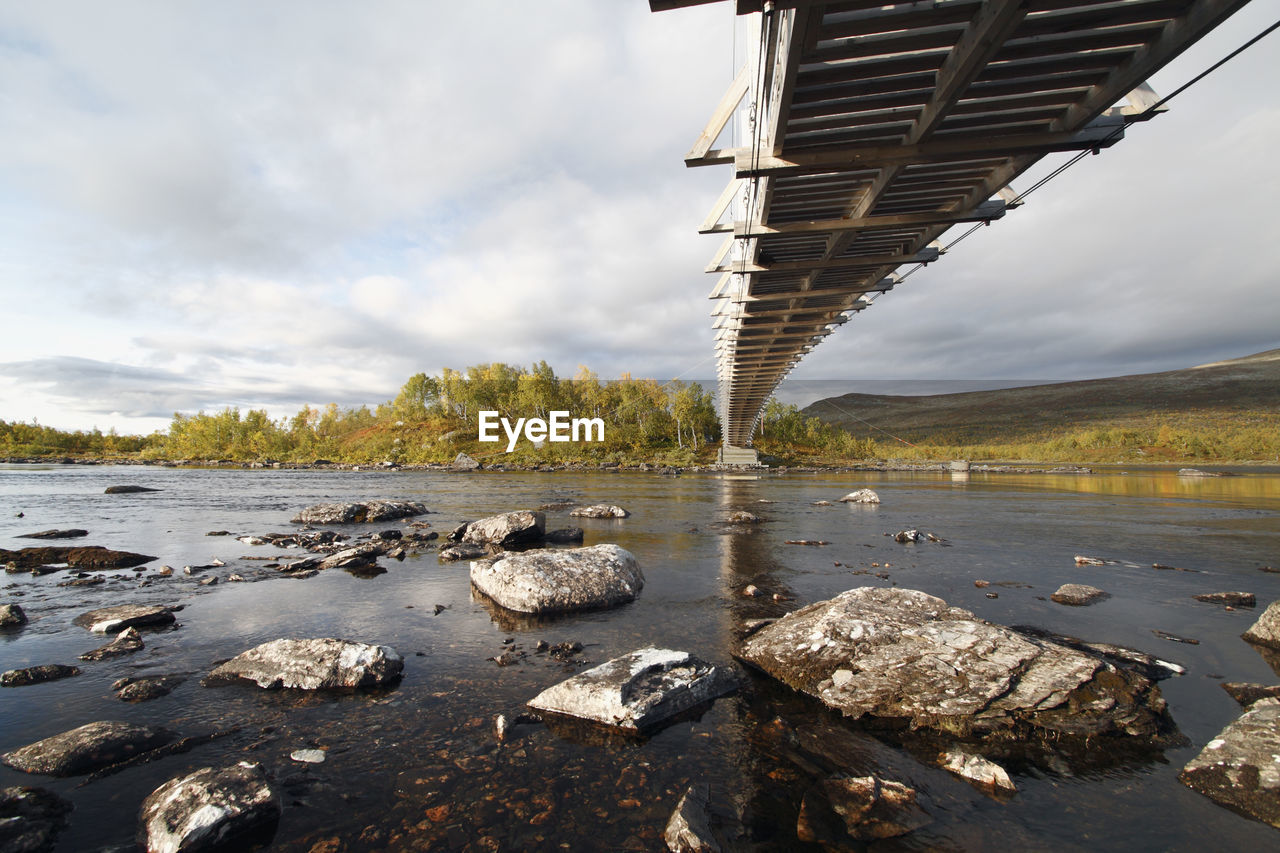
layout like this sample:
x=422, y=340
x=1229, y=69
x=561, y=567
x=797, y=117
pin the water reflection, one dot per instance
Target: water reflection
x=421, y=767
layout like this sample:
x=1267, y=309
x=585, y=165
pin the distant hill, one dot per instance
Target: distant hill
x=1231, y=392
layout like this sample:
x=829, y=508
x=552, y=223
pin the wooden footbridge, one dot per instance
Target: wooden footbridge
x=870, y=128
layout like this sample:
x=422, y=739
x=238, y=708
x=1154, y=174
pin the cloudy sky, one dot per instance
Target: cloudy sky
x=266, y=205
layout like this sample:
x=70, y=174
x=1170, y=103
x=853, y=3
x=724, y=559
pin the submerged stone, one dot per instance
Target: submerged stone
x=72, y=533
x=1240, y=768
x=463, y=551
x=109, y=620
x=319, y=664
x=862, y=808
x=87, y=748
x=359, y=512
x=30, y=819
x=564, y=536
x=560, y=581
x=902, y=657
x=212, y=809
x=1246, y=693
x=689, y=828
x=637, y=691
x=126, y=642
x=1233, y=599
x=37, y=674
x=146, y=688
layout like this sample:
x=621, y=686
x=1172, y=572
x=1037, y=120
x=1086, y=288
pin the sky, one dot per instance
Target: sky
x=263, y=205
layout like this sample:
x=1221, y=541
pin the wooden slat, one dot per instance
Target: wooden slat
x=720, y=116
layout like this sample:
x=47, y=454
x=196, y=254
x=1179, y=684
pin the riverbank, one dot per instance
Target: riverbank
x=772, y=465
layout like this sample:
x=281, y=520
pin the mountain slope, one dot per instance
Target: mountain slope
x=1240, y=390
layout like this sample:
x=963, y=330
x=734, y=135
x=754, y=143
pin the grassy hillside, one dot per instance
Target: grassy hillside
x=1228, y=410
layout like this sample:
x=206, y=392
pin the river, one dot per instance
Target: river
x=419, y=766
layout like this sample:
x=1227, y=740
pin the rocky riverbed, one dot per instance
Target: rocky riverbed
x=333, y=683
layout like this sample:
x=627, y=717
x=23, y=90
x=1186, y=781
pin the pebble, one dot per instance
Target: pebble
x=308, y=756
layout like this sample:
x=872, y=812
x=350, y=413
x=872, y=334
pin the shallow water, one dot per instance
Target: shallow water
x=418, y=766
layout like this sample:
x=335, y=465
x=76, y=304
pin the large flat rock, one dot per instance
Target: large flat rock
x=312, y=664
x=560, y=581
x=1240, y=768
x=111, y=620
x=212, y=809
x=903, y=657
x=637, y=691
x=509, y=528
x=87, y=748
x=87, y=558
x=358, y=512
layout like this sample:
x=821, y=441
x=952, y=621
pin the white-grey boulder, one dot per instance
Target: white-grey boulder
x=112, y=620
x=214, y=808
x=312, y=664
x=1240, y=768
x=463, y=462
x=861, y=496
x=1266, y=630
x=599, y=511
x=509, y=528
x=637, y=691
x=977, y=771
x=560, y=581
x=903, y=657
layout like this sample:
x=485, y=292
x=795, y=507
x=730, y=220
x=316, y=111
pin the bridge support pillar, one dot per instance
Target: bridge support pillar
x=738, y=457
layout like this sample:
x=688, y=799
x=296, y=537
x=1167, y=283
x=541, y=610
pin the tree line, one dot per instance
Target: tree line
x=434, y=417
x=431, y=419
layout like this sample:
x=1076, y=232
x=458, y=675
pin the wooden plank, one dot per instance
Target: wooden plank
x=803, y=32
x=722, y=204
x=885, y=44
x=720, y=116
x=924, y=256
x=1100, y=133
x=1177, y=36
x=720, y=253
x=981, y=213
x=901, y=16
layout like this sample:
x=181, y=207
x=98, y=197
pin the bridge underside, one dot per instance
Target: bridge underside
x=872, y=128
